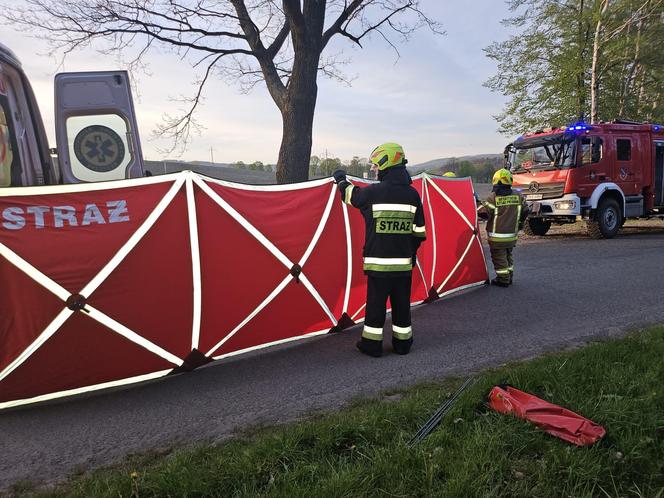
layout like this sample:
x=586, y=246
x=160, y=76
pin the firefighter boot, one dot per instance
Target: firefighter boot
x=500, y=283
x=370, y=347
x=401, y=346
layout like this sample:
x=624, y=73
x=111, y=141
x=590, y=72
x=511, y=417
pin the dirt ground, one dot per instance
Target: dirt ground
x=578, y=230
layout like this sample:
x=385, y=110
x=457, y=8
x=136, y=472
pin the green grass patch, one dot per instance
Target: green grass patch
x=362, y=451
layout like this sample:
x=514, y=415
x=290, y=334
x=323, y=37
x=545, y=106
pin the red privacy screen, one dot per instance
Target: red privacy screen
x=112, y=283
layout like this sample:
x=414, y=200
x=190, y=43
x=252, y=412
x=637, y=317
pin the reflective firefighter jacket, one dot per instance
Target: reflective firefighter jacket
x=394, y=221
x=505, y=212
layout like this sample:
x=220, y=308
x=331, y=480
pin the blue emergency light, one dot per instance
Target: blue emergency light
x=580, y=126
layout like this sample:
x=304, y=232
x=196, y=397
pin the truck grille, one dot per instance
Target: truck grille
x=534, y=190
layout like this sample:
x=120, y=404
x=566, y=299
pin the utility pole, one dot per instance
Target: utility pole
x=211, y=155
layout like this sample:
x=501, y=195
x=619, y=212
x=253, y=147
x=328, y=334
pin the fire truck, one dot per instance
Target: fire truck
x=95, y=129
x=602, y=173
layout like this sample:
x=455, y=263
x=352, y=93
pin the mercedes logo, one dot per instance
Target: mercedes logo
x=533, y=187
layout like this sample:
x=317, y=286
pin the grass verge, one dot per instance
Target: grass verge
x=361, y=450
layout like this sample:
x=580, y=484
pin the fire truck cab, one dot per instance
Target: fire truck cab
x=603, y=173
x=96, y=131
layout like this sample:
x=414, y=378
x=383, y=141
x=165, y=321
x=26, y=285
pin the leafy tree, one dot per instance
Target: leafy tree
x=314, y=163
x=329, y=165
x=572, y=58
x=240, y=165
x=357, y=166
x=465, y=168
x=281, y=43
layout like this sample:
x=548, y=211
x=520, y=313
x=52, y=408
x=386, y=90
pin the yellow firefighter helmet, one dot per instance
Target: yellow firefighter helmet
x=387, y=155
x=502, y=177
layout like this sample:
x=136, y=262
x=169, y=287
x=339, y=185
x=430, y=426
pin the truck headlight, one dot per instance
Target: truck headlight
x=565, y=205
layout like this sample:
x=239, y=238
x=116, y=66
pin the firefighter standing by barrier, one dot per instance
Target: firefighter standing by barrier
x=394, y=221
x=505, y=212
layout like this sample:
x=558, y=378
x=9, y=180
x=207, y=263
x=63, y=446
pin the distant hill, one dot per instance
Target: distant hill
x=225, y=171
x=440, y=163
x=220, y=171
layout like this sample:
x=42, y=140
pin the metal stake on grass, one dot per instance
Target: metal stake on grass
x=435, y=419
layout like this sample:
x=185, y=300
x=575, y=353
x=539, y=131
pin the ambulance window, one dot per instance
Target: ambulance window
x=9, y=158
x=592, y=150
x=624, y=149
x=98, y=147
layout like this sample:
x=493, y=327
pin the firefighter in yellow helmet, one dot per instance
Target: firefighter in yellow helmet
x=505, y=212
x=449, y=174
x=394, y=222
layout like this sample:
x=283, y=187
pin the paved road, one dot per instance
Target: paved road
x=566, y=292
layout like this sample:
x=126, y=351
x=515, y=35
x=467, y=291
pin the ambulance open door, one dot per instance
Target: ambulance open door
x=96, y=131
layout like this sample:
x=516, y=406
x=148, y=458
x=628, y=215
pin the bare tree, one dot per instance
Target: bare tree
x=247, y=41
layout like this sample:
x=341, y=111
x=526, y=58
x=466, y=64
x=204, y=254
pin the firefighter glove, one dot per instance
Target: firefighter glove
x=339, y=175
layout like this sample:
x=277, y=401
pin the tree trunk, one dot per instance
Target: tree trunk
x=580, y=76
x=297, y=110
x=298, y=118
x=594, y=80
x=623, y=74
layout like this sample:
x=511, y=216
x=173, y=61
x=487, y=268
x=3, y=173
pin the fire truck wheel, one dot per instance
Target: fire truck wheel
x=607, y=221
x=536, y=226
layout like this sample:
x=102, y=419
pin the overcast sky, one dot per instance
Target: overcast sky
x=431, y=100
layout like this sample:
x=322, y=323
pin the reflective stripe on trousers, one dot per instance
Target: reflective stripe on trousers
x=378, y=291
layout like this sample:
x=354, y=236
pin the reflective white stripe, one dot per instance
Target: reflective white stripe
x=360, y=309
x=312, y=290
x=501, y=235
x=419, y=229
x=33, y=272
x=417, y=263
x=402, y=330
x=349, y=259
x=195, y=262
x=319, y=230
x=462, y=288
x=88, y=187
x=51, y=329
x=265, y=302
x=373, y=330
x=242, y=221
x=134, y=239
x=425, y=189
x=270, y=344
x=80, y=390
x=458, y=263
x=267, y=188
x=454, y=206
x=132, y=336
x=321, y=226
x=394, y=207
x=388, y=261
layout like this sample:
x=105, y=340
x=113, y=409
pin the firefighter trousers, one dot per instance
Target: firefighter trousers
x=378, y=290
x=503, y=264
